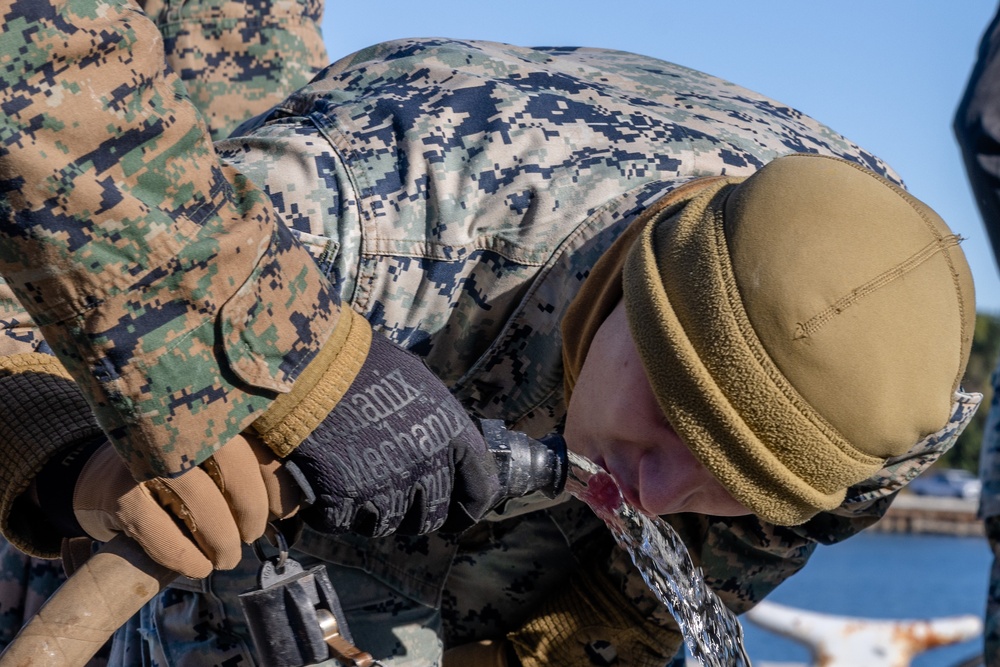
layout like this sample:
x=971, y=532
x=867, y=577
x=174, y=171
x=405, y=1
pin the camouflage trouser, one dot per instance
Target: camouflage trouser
x=25, y=584
x=496, y=579
x=989, y=470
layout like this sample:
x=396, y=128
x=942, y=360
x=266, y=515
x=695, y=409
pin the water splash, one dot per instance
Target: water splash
x=711, y=631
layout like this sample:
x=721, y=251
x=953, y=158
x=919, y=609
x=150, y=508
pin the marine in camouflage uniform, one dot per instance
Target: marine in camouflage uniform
x=977, y=128
x=455, y=195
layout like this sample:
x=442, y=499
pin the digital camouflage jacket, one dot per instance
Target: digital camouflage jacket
x=457, y=193
x=454, y=194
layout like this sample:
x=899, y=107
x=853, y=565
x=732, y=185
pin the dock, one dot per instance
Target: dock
x=931, y=515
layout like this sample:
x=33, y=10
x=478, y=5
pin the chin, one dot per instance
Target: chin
x=726, y=511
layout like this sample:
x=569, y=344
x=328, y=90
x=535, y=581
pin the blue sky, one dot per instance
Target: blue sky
x=886, y=73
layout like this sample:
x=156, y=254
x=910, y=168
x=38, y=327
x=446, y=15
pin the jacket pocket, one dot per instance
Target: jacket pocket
x=280, y=316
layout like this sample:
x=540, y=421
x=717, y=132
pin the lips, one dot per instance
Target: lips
x=629, y=490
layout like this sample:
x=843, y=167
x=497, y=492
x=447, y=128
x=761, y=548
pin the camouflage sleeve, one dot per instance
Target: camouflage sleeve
x=160, y=277
x=239, y=58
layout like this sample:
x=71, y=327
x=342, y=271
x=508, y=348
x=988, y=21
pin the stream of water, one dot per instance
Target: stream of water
x=712, y=633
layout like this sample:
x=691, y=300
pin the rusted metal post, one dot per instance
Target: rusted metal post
x=844, y=641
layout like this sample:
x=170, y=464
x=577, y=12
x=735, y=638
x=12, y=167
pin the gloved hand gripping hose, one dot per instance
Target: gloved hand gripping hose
x=294, y=615
x=117, y=581
x=400, y=454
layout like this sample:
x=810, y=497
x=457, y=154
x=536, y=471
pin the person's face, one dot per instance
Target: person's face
x=613, y=419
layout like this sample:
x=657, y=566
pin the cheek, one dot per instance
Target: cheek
x=602, y=414
x=582, y=424
x=672, y=480
x=663, y=482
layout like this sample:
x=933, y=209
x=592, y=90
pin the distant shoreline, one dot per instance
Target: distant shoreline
x=931, y=515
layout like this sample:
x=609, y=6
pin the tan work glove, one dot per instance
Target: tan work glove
x=193, y=523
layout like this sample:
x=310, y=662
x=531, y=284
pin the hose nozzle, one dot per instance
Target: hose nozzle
x=524, y=464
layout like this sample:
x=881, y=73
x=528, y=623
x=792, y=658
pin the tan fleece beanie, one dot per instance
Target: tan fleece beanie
x=799, y=327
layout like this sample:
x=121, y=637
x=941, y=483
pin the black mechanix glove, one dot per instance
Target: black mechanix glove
x=397, y=454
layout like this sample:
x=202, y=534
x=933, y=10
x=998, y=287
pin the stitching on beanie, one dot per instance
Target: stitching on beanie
x=817, y=321
x=756, y=349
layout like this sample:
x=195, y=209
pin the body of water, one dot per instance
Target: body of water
x=878, y=575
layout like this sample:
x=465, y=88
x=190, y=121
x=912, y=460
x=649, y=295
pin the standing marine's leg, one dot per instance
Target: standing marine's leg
x=989, y=471
x=977, y=128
